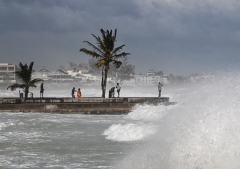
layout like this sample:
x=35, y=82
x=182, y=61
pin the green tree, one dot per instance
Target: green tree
x=24, y=74
x=125, y=72
x=92, y=65
x=105, y=53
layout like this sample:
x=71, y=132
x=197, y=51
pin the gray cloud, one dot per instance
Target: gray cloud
x=174, y=36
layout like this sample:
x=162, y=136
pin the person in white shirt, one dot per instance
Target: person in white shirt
x=118, y=89
x=159, y=89
x=21, y=92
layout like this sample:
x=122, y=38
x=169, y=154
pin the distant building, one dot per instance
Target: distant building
x=152, y=78
x=74, y=70
x=60, y=77
x=42, y=74
x=7, y=74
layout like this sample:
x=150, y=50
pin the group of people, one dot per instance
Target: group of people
x=111, y=92
x=21, y=92
x=79, y=93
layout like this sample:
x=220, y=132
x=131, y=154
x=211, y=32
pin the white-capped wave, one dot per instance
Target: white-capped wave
x=149, y=112
x=129, y=132
x=202, y=132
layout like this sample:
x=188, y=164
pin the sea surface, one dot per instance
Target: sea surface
x=201, y=131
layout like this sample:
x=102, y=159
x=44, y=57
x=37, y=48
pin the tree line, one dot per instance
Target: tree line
x=104, y=55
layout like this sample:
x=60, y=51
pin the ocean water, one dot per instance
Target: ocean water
x=202, y=131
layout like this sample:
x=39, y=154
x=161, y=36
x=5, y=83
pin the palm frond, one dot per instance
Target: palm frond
x=103, y=34
x=115, y=33
x=93, y=46
x=15, y=86
x=117, y=63
x=100, y=42
x=30, y=66
x=91, y=53
x=123, y=54
x=32, y=85
x=24, y=74
x=118, y=49
x=100, y=63
x=36, y=80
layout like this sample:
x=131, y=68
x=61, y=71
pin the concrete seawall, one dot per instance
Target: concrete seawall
x=87, y=105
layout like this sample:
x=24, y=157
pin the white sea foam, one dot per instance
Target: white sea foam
x=8, y=93
x=203, y=131
x=149, y=112
x=129, y=132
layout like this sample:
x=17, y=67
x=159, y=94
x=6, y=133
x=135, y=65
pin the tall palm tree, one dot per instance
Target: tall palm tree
x=105, y=53
x=24, y=74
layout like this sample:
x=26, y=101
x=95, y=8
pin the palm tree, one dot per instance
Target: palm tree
x=24, y=74
x=105, y=53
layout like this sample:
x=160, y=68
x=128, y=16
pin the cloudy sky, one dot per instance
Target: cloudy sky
x=175, y=36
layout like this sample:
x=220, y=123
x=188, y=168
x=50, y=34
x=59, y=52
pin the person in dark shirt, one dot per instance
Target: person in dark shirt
x=41, y=91
x=160, y=85
x=111, y=92
x=73, y=92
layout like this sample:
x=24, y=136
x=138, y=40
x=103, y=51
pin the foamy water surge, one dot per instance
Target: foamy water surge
x=201, y=132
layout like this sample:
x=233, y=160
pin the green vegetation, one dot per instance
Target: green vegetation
x=105, y=53
x=24, y=74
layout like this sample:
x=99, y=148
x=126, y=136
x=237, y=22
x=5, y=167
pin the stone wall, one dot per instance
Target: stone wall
x=81, y=106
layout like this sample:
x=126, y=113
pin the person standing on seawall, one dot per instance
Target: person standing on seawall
x=41, y=91
x=73, y=92
x=118, y=89
x=159, y=89
x=21, y=92
x=79, y=93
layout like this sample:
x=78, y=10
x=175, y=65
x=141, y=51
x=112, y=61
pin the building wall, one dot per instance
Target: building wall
x=7, y=73
x=150, y=80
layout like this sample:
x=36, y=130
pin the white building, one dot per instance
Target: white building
x=90, y=79
x=42, y=74
x=150, y=79
x=7, y=73
x=73, y=71
x=60, y=77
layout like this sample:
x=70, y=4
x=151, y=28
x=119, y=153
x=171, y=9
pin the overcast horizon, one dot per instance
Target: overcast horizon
x=174, y=36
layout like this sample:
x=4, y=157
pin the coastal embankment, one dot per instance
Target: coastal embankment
x=85, y=105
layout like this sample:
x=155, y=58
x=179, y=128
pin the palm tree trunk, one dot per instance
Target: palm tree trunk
x=26, y=92
x=104, y=80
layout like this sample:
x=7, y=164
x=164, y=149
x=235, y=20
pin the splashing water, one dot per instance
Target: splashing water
x=201, y=132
